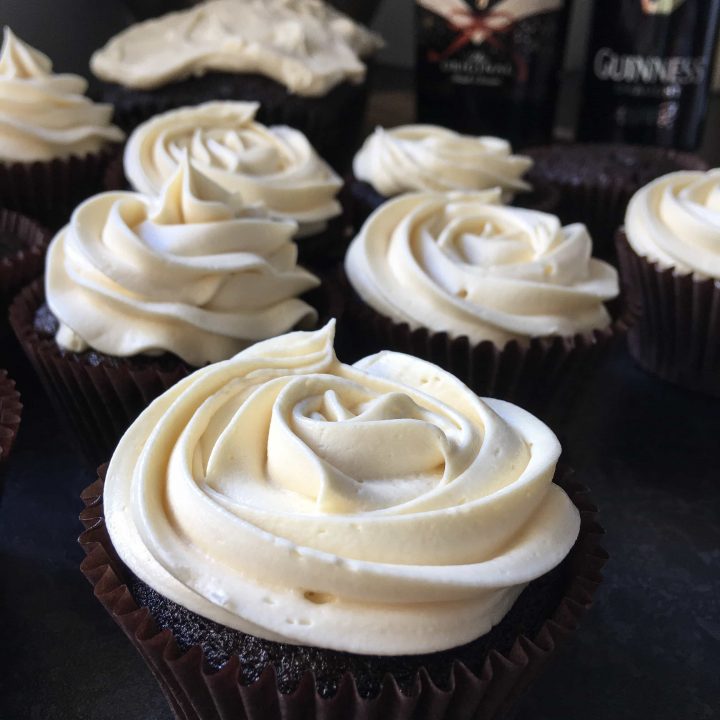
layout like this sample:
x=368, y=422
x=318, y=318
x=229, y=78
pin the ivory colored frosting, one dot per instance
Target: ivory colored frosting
x=303, y=44
x=195, y=272
x=45, y=116
x=675, y=220
x=462, y=263
x=275, y=166
x=432, y=158
x=379, y=508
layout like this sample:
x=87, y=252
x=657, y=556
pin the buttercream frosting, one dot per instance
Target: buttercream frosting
x=275, y=166
x=305, y=45
x=43, y=115
x=462, y=263
x=378, y=508
x=432, y=158
x=195, y=272
x=675, y=220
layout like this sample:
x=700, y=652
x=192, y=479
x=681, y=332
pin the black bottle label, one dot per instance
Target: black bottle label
x=483, y=65
x=648, y=72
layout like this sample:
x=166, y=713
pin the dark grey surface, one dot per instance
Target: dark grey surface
x=649, y=648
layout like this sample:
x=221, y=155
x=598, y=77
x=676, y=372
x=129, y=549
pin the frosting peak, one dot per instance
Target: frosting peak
x=379, y=508
x=45, y=116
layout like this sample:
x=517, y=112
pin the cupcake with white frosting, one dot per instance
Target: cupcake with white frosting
x=162, y=285
x=288, y=511
x=476, y=284
x=669, y=252
x=301, y=59
x=54, y=141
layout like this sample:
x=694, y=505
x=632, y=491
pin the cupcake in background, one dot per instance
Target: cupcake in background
x=54, y=141
x=301, y=60
x=506, y=298
x=324, y=535
x=139, y=291
x=430, y=158
x=10, y=416
x=594, y=182
x=669, y=255
x=273, y=166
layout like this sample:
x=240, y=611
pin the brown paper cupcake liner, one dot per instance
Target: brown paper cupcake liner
x=197, y=692
x=10, y=415
x=50, y=191
x=543, y=376
x=677, y=336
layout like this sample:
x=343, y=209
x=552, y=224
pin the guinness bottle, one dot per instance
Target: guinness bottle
x=491, y=66
x=648, y=71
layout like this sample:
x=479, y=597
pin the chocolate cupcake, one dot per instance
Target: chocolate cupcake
x=670, y=264
x=594, y=182
x=140, y=291
x=430, y=158
x=506, y=298
x=273, y=166
x=10, y=415
x=331, y=536
x=54, y=142
x=301, y=60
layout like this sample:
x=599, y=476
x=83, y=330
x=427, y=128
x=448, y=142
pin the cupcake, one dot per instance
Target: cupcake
x=10, y=414
x=273, y=166
x=506, y=298
x=594, y=182
x=300, y=59
x=304, y=534
x=54, y=142
x=429, y=158
x=139, y=291
x=670, y=263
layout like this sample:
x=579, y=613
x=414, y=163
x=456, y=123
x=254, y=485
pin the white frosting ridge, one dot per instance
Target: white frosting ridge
x=303, y=44
x=462, y=263
x=430, y=158
x=194, y=272
x=45, y=116
x=675, y=220
x=275, y=166
x=378, y=508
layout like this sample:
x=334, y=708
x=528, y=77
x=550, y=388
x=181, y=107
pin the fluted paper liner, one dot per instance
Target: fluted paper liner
x=542, y=376
x=10, y=415
x=677, y=336
x=50, y=191
x=196, y=692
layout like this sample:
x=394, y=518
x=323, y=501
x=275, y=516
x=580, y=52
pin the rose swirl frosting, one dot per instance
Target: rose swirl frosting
x=377, y=508
x=462, y=263
x=195, y=272
x=275, y=166
x=45, y=116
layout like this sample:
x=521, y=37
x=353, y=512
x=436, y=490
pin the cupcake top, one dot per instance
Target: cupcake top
x=275, y=166
x=305, y=45
x=675, y=220
x=195, y=272
x=45, y=116
x=434, y=159
x=463, y=264
x=380, y=508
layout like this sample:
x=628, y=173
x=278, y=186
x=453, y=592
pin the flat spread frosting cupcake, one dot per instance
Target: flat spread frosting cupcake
x=44, y=118
x=670, y=261
x=274, y=166
x=301, y=59
x=380, y=509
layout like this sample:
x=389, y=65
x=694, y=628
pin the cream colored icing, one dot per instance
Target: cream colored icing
x=194, y=272
x=45, y=116
x=275, y=166
x=675, y=220
x=434, y=159
x=461, y=263
x=303, y=44
x=376, y=508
